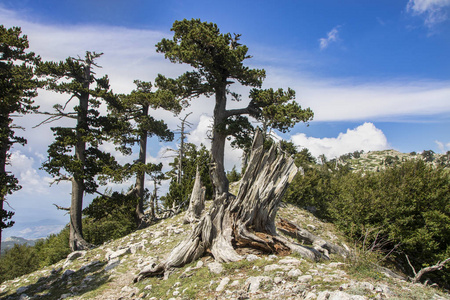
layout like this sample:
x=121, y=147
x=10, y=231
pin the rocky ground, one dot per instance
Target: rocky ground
x=379, y=160
x=107, y=272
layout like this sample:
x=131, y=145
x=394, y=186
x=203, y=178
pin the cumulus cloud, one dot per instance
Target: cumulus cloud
x=24, y=169
x=442, y=147
x=332, y=37
x=434, y=11
x=364, y=137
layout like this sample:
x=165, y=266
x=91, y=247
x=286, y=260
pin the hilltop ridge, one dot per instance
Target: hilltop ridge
x=107, y=272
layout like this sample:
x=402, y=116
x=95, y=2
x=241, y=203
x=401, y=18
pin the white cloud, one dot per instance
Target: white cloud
x=364, y=137
x=442, y=147
x=332, y=37
x=344, y=100
x=434, y=11
x=24, y=169
x=201, y=135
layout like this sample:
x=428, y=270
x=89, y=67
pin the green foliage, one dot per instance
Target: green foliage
x=53, y=248
x=180, y=193
x=22, y=259
x=428, y=155
x=75, y=77
x=407, y=205
x=214, y=55
x=277, y=109
x=19, y=260
x=109, y=217
x=17, y=89
x=233, y=175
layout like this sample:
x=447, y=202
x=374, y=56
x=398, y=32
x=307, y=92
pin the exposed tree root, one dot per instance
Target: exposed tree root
x=324, y=247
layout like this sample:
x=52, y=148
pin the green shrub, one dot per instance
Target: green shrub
x=109, y=217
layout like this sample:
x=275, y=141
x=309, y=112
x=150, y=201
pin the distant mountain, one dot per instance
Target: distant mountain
x=34, y=230
x=9, y=242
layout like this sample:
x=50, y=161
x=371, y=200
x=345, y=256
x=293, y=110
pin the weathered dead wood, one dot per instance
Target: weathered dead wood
x=197, y=201
x=245, y=221
x=321, y=245
x=423, y=271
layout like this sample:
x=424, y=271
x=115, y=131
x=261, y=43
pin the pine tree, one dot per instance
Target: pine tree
x=75, y=155
x=137, y=125
x=17, y=89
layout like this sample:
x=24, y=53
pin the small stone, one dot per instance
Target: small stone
x=253, y=284
x=305, y=278
x=278, y=279
x=76, y=254
x=67, y=273
x=294, y=273
x=338, y=295
x=118, y=253
x=112, y=264
x=176, y=293
x=64, y=296
x=270, y=268
x=215, y=267
x=235, y=283
x=22, y=290
x=290, y=261
x=199, y=264
x=252, y=257
x=323, y=295
x=222, y=284
x=311, y=227
x=310, y=296
x=366, y=285
x=272, y=257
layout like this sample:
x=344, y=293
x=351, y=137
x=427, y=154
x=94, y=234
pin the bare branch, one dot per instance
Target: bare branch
x=433, y=268
x=55, y=117
x=61, y=208
x=409, y=263
x=61, y=178
x=8, y=204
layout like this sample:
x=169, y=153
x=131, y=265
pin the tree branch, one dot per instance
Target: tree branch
x=423, y=271
x=55, y=117
x=239, y=111
x=61, y=208
x=62, y=178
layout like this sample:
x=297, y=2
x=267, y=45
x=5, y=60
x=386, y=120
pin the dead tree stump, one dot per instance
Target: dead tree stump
x=234, y=225
x=197, y=201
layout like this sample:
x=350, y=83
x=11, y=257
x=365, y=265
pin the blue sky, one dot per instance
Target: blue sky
x=376, y=73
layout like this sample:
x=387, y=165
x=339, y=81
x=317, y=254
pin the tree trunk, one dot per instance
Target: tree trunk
x=217, y=170
x=3, y=154
x=76, y=240
x=197, y=201
x=236, y=225
x=153, y=202
x=140, y=176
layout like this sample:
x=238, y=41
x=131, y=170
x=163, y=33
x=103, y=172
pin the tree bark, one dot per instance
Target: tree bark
x=76, y=240
x=217, y=170
x=235, y=225
x=197, y=201
x=140, y=176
